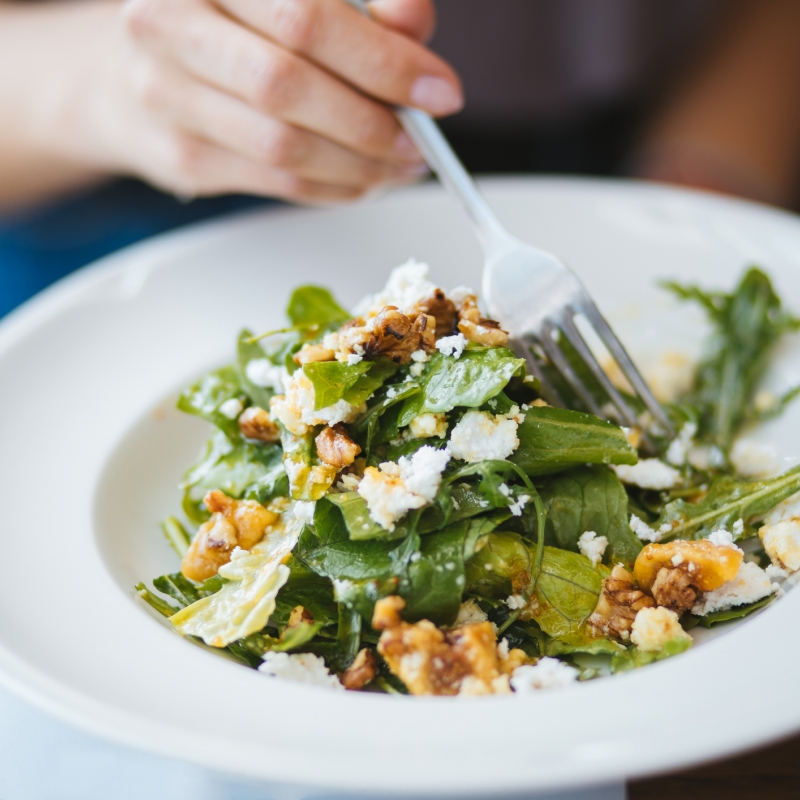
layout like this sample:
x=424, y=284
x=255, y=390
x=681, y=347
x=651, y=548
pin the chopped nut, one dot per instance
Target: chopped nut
x=390, y=334
x=443, y=311
x=673, y=589
x=313, y=352
x=618, y=605
x=233, y=523
x=299, y=614
x=335, y=447
x=477, y=328
x=710, y=565
x=256, y=423
x=363, y=669
x=434, y=662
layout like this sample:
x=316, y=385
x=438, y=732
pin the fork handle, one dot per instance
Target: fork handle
x=441, y=158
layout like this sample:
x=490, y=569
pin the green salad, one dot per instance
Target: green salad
x=386, y=502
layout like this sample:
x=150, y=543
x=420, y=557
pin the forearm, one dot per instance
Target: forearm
x=50, y=54
x=735, y=116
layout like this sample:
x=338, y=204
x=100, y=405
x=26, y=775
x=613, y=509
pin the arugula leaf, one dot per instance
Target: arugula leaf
x=747, y=324
x=727, y=501
x=589, y=499
x=554, y=439
x=311, y=306
x=633, y=658
x=469, y=381
x=566, y=593
x=247, y=351
x=204, y=398
x=243, y=469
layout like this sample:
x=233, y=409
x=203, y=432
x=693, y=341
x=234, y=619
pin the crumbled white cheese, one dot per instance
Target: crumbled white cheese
x=416, y=369
x=751, y=460
x=231, y=408
x=452, y=345
x=787, y=509
x=519, y=504
x=776, y=573
x=738, y=527
x=265, y=374
x=348, y=483
x=654, y=627
x=408, y=284
x=353, y=359
x=420, y=356
x=460, y=294
x=426, y=426
x=592, y=546
x=751, y=583
x=395, y=489
x=470, y=612
x=721, y=538
x=503, y=649
x=644, y=531
x=296, y=409
x=300, y=667
x=649, y=473
x=516, y=601
x=706, y=457
x=781, y=540
x=480, y=436
x=547, y=673
x=304, y=510
x=679, y=447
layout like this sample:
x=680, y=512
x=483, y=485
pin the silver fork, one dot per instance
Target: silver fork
x=531, y=292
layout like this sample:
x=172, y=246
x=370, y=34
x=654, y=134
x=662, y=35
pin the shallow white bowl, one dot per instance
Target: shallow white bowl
x=91, y=451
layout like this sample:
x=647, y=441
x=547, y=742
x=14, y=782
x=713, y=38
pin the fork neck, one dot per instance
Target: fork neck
x=451, y=172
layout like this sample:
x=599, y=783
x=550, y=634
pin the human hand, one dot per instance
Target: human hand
x=285, y=98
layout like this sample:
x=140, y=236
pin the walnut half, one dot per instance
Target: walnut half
x=363, y=669
x=335, y=447
x=255, y=423
x=618, y=605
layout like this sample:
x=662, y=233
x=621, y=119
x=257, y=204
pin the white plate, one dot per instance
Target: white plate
x=91, y=452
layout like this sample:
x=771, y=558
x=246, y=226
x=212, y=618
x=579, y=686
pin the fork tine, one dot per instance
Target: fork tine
x=523, y=347
x=626, y=413
x=551, y=348
x=592, y=313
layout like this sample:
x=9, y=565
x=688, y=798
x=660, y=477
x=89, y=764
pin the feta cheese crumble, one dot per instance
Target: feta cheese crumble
x=426, y=426
x=644, y=531
x=750, y=584
x=654, y=627
x=678, y=449
x=395, y=489
x=480, y=436
x=470, y=612
x=265, y=374
x=547, y=673
x=452, y=345
x=592, y=546
x=781, y=540
x=303, y=510
x=751, y=460
x=721, y=538
x=300, y=667
x=231, y=408
x=515, y=602
x=649, y=473
x=296, y=411
x=408, y=284
x=787, y=509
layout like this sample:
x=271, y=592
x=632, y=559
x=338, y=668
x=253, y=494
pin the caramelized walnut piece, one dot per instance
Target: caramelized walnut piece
x=299, y=614
x=430, y=661
x=443, y=311
x=390, y=334
x=709, y=565
x=673, y=589
x=618, y=605
x=363, y=669
x=309, y=353
x=478, y=329
x=335, y=447
x=233, y=523
x=256, y=423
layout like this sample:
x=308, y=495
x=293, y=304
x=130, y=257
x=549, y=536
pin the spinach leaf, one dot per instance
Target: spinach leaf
x=332, y=379
x=204, y=398
x=469, y=381
x=314, y=306
x=248, y=350
x=589, y=499
x=502, y=566
x=554, y=439
x=727, y=501
x=633, y=658
x=243, y=469
x=357, y=519
x=566, y=593
x=747, y=324
x=371, y=381
x=369, y=428
x=305, y=588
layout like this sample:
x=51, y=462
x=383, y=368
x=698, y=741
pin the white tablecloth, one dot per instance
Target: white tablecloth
x=42, y=758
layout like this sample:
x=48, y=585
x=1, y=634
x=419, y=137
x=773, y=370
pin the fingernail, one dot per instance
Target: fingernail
x=405, y=148
x=436, y=95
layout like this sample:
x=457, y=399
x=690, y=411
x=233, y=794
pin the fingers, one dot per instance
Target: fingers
x=232, y=124
x=269, y=78
x=380, y=62
x=413, y=18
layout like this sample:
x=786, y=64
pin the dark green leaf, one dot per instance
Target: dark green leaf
x=332, y=379
x=247, y=351
x=204, y=398
x=502, y=566
x=314, y=306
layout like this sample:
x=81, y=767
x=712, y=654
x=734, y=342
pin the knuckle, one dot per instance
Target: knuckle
x=282, y=147
x=296, y=23
x=273, y=82
x=371, y=133
x=184, y=157
x=141, y=17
